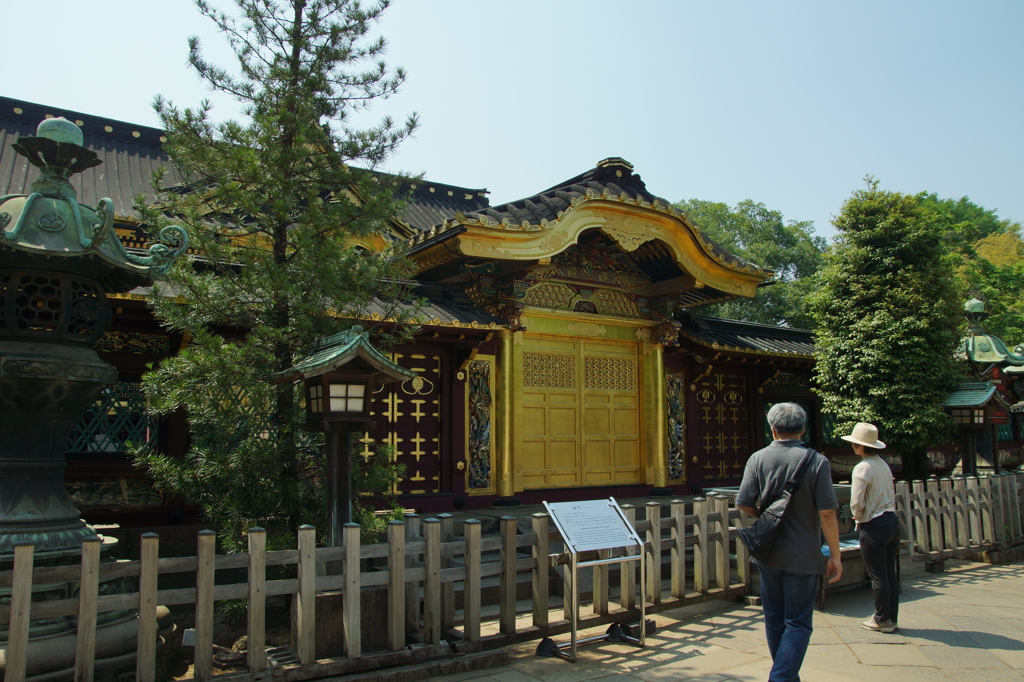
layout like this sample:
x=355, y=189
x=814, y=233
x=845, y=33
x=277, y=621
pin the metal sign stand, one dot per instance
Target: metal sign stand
x=593, y=535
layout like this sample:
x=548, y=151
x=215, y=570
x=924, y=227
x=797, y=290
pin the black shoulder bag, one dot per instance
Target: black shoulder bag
x=760, y=536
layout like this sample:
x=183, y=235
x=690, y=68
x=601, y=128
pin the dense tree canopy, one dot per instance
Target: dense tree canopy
x=761, y=235
x=889, y=316
x=280, y=221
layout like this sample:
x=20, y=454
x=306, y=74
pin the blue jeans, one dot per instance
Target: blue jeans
x=788, y=603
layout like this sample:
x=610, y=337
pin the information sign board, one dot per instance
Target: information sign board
x=585, y=527
x=592, y=524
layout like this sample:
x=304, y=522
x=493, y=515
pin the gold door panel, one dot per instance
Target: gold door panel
x=580, y=414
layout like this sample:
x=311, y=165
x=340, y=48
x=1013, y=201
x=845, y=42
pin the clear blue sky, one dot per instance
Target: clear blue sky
x=786, y=103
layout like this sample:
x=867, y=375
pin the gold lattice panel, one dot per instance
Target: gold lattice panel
x=610, y=374
x=615, y=303
x=549, y=295
x=549, y=370
x=585, y=431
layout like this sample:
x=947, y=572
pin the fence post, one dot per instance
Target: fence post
x=351, y=617
x=412, y=589
x=1015, y=507
x=960, y=512
x=654, y=562
x=21, y=613
x=948, y=515
x=447, y=588
x=722, y=554
x=507, y=592
x=471, y=593
x=700, y=552
x=145, y=664
x=305, y=600
x=540, y=572
x=974, y=511
x=742, y=553
x=88, y=591
x=985, y=508
x=678, y=553
x=934, y=517
x=257, y=634
x=999, y=517
x=627, y=569
x=921, y=530
x=432, y=584
x=396, y=585
x=206, y=548
x=600, y=584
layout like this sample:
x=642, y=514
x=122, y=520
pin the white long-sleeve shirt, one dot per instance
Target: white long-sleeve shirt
x=873, y=491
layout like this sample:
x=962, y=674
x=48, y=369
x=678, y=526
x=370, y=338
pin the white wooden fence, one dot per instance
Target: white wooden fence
x=424, y=561
x=955, y=517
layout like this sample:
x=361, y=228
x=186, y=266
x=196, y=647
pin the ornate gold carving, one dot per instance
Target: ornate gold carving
x=667, y=333
x=548, y=370
x=586, y=329
x=706, y=396
x=610, y=374
x=549, y=295
x=630, y=233
x=614, y=303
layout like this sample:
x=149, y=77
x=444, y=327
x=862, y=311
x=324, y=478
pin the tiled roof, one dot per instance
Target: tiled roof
x=130, y=153
x=447, y=305
x=747, y=337
x=612, y=179
x=432, y=202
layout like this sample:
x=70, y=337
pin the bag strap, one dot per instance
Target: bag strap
x=793, y=483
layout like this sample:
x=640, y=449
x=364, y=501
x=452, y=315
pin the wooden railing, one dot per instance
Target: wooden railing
x=955, y=517
x=424, y=559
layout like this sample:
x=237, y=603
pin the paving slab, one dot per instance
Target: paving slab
x=1014, y=659
x=961, y=658
x=983, y=676
x=855, y=634
x=888, y=654
x=934, y=637
x=966, y=625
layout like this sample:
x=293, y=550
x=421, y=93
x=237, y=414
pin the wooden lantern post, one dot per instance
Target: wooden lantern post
x=338, y=378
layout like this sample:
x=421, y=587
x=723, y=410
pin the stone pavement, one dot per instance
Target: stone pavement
x=966, y=624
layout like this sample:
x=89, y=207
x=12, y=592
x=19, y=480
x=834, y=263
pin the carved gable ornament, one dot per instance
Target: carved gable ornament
x=629, y=232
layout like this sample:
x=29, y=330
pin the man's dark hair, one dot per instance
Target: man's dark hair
x=787, y=418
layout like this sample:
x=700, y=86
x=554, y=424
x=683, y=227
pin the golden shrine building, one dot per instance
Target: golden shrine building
x=562, y=355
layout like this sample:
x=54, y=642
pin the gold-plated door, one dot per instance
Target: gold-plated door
x=580, y=413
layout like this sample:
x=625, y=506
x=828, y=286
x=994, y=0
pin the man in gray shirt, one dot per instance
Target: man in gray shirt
x=790, y=573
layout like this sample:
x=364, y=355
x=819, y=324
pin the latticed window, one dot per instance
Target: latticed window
x=118, y=417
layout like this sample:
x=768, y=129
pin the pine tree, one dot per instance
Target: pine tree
x=888, y=315
x=289, y=221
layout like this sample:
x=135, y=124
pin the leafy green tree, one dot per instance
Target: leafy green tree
x=996, y=275
x=968, y=222
x=992, y=267
x=290, y=240
x=889, y=314
x=760, y=235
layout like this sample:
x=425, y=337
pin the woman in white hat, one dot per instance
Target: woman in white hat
x=873, y=505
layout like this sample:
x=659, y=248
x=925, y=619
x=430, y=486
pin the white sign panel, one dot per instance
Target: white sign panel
x=592, y=524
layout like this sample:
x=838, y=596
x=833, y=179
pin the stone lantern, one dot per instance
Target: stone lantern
x=58, y=261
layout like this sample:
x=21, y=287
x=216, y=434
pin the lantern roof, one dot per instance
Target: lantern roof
x=348, y=351
x=977, y=394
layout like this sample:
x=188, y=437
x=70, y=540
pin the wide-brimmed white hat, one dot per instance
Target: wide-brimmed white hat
x=866, y=435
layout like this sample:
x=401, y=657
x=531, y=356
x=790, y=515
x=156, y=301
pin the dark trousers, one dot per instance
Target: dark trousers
x=880, y=547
